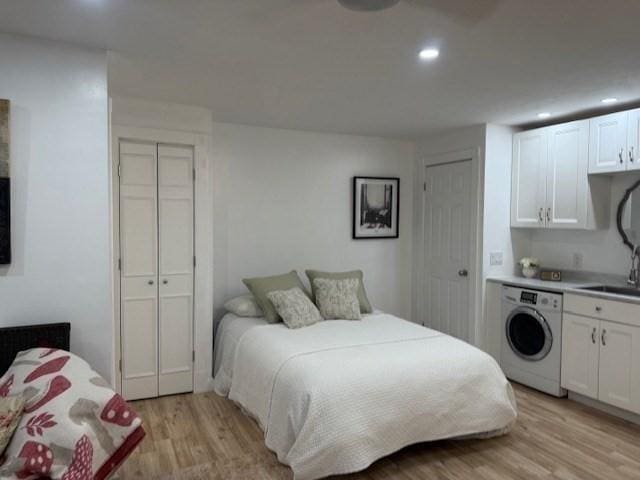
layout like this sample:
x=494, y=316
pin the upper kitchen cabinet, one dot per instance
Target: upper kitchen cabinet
x=551, y=187
x=528, y=178
x=633, y=140
x=614, y=141
x=567, y=204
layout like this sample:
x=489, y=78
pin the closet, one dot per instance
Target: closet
x=156, y=266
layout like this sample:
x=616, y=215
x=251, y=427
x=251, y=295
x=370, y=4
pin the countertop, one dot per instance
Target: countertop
x=572, y=284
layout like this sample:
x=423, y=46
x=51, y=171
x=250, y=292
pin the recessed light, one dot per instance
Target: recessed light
x=609, y=100
x=429, y=54
x=544, y=114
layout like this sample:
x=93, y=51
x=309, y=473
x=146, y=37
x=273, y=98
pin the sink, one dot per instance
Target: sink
x=629, y=291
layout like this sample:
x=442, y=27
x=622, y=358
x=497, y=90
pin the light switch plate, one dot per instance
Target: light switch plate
x=495, y=259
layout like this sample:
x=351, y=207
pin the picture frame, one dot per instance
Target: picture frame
x=5, y=185
x=376, y=208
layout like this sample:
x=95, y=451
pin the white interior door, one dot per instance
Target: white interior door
x=176, y=265
x=567, y=178
x=448, y=242
x=139, y=270
x=528, y=183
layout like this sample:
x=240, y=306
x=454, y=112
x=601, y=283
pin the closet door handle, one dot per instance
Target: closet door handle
x=602, y=337
x=593, y=336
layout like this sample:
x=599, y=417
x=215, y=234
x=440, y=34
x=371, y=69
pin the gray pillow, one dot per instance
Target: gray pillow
x=338, y=299
x=365, y=306
x=244, y=306
x=260, y=286
x=296, y=309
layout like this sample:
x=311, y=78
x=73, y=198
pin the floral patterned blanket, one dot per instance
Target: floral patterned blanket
x=74, y=426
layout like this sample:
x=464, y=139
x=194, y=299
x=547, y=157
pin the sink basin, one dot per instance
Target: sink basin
x=629, y=291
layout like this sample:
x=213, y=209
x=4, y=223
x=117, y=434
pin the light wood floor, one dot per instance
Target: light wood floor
x=207, y=437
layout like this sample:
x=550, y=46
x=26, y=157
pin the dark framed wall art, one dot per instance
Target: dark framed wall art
x=5, y=190
x=376, y=207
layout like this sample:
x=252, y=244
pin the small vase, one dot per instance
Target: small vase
x=529, y=272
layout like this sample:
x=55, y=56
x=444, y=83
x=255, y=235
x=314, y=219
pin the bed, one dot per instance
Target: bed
x=334, y=397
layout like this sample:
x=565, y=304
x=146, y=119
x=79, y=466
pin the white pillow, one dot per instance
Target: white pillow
x=244, y=306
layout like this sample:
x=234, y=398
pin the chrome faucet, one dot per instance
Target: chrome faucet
x=634, y=274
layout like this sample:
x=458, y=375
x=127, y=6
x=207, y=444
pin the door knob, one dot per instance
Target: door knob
x=150, y=282
x=165, y=281
x=463, y=273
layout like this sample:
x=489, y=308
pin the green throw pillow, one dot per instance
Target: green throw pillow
x=260, y=286
x=365, y=306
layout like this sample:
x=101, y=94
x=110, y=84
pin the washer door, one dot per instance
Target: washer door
x=529, y=334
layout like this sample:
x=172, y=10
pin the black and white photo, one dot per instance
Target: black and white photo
x=375, y=207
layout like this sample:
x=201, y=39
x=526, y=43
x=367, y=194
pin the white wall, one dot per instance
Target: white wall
x=283, y=200
x=60, y=193
x=498, y=235
x=602, y=250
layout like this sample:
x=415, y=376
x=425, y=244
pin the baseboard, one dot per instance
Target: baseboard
x=610, y=409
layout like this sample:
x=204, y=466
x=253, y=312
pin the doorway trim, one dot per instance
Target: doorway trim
x=203, y=248
x=475, y=248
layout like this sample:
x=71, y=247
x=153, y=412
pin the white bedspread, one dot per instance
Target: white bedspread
x=334, y=397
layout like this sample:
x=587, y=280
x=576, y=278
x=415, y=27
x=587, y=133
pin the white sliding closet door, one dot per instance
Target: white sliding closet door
x=139, y=269
x=175, y=216
x=157, y=269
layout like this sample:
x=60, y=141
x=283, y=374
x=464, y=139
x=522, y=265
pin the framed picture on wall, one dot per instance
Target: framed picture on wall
x=376, y=207
x=5, y=191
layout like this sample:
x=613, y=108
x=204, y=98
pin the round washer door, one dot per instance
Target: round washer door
x=528, y=334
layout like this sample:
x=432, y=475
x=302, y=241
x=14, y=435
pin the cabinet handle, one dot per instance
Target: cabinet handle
x=549, y=215
x=593, y=335
x=604, y=342
x=150, y=282
x=165, y=281
x=598, y=309
x=631, y=153
x=620, y=155
x=540, y=215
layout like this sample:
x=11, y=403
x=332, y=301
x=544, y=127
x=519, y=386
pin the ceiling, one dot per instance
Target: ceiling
x=312, y=65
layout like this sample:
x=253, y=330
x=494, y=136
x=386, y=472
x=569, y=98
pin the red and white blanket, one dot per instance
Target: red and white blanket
x=74, y=426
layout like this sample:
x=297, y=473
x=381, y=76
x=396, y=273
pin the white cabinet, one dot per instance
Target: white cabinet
x=608, y=143
x=633, y=140
x=620, y=365
x=528, y=178
x=567, y=176
x=550, y=182
x=580, y=354
x=600, y=357
x=614, y=141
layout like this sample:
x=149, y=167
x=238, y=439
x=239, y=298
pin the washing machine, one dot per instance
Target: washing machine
x=531, y=351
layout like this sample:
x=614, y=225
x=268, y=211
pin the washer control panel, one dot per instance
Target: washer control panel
x=536, y=298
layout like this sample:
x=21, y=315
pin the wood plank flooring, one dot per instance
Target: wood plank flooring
x=207, y=437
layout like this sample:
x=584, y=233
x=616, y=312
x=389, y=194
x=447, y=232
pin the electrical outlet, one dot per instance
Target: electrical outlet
x=495, y=259
x=578, y=260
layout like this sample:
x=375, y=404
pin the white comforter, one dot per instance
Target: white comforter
x=334, y=397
